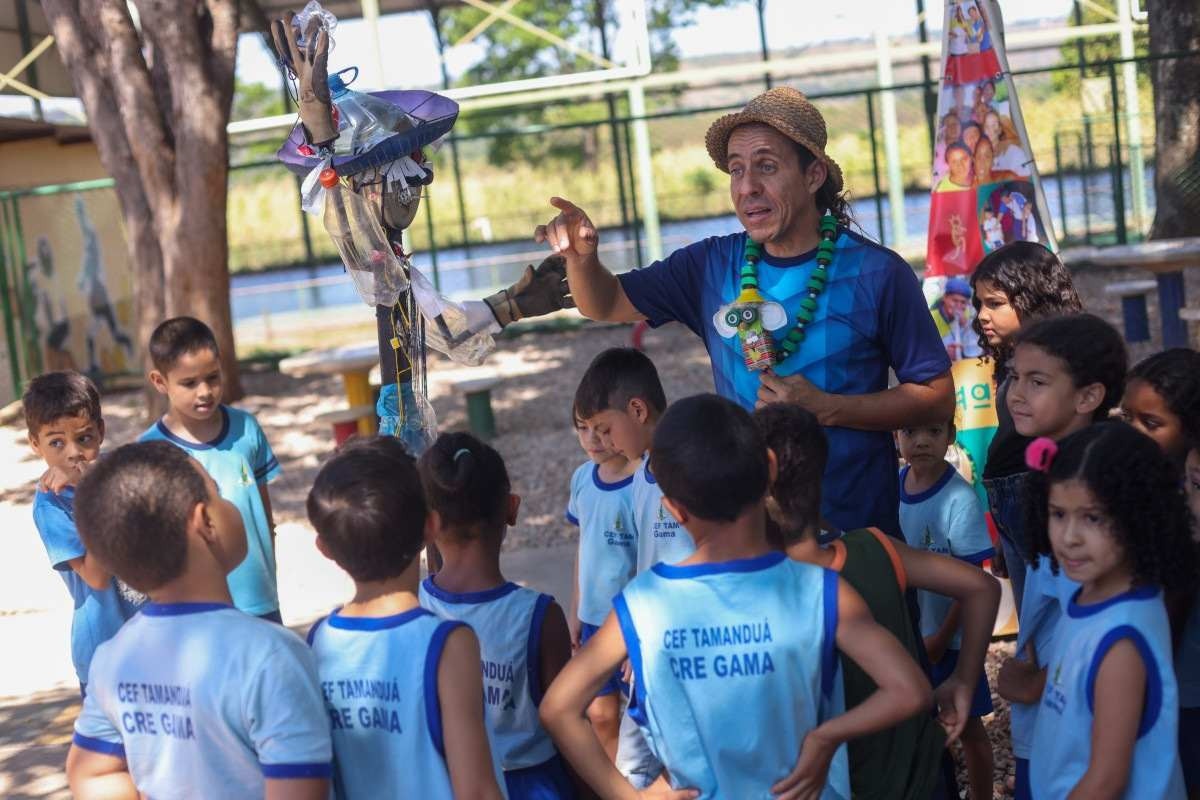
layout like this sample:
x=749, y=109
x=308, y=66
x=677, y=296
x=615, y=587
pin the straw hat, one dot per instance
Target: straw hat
x=786, y=110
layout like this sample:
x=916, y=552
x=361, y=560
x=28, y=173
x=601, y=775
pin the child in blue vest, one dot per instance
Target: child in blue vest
x=1065, y=373
x=1106, y=508
x=62, y=414
x=1162, y=400
x=904, y=761
x=227, y=442
x=523, y=637
x=601, y=506
x=734, y=649
x=191, y=698
x=621, y=397
x=940, y=513
x=402, y=685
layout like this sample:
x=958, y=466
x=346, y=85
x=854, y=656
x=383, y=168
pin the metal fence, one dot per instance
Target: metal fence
x=471, y=233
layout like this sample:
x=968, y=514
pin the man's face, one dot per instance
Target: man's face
x=772, y=195
x=69, y=443
x=193, y=385
x=954, y=305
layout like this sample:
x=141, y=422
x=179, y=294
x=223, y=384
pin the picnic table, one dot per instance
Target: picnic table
x=353, y=362
x=1166, y=258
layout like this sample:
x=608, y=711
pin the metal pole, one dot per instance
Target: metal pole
x=7, y=295
x=891, y=136
x=1085, y=158
x=614, y=127
x=645, y=169
x=762, y=40
x=930, y=95
x=1118, y=174
x=633, y=201
x=27, y=45
x=875, y=165
x=1058, y=176
x=1133, y=120
x=458, y=187
x=433, y=255
x=370, y=15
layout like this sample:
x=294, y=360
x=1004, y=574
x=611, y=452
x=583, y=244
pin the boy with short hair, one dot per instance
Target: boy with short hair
x=903, y=761
x=940, y=513
x=66, y=429
x=227, y=442
x=734, y=649
x=601, y=506
x=621, y=396
x=402, y=687
x=191, y=698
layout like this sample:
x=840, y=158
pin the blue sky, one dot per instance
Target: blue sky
x=717, y=31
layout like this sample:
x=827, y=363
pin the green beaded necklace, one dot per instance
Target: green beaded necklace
x=816, y=284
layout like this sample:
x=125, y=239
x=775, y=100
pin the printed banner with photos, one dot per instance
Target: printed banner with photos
x=986, y=190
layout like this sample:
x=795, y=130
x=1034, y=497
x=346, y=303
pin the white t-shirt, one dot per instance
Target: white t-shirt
x=203, y=700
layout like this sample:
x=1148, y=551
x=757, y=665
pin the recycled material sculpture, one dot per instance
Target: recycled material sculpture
x=364, y=162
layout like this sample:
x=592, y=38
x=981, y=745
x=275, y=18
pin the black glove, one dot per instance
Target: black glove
x=538, y=292
x=309, y=66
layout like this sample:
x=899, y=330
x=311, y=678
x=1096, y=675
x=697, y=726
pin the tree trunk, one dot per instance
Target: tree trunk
x=158, y=102
x=1175, y=28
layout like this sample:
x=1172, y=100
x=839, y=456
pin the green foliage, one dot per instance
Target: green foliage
x=511, y=53
x=252, y=100
x=1101, y=48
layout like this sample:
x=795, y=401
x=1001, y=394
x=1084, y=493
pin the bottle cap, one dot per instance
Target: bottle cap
x=328, y=177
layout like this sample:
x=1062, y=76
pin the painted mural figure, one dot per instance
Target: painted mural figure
x=92, y=283
x=51, y=324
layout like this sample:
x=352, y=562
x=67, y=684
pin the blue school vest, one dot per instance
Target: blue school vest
x=734, y=664
x=379, y=679
x=508, y=622
x=1062, y=737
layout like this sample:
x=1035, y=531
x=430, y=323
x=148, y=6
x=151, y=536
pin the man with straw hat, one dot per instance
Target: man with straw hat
x=797, y=308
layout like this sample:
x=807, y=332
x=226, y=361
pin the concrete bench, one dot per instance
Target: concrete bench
x=345, y=421
x=1133, y=307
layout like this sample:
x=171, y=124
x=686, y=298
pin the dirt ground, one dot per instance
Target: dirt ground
x=532, y=406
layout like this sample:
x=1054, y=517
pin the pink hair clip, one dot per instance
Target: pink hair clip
x=1040, y=453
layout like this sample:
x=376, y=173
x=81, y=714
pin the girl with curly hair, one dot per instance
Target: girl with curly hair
x=1107, y=513
x=1013, y=286
x=1162, y=400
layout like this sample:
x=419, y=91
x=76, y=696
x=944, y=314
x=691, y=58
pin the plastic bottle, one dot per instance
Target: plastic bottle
x=363, y=120
x=365, y=250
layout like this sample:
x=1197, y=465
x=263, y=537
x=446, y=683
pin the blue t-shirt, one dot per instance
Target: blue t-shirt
x=202, y=700
x=871, y=316
x=946, y=518
x=240, y=461
x=607, y=539
x=1187, y=660
x=99, y=614
x=1062, y=735
x=734, y=663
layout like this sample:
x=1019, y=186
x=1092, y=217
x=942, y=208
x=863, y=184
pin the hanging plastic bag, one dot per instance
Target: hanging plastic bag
x=311, y=10
x=448, y=329
x=312, y=193
x=407, y=416
x=365, y=250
